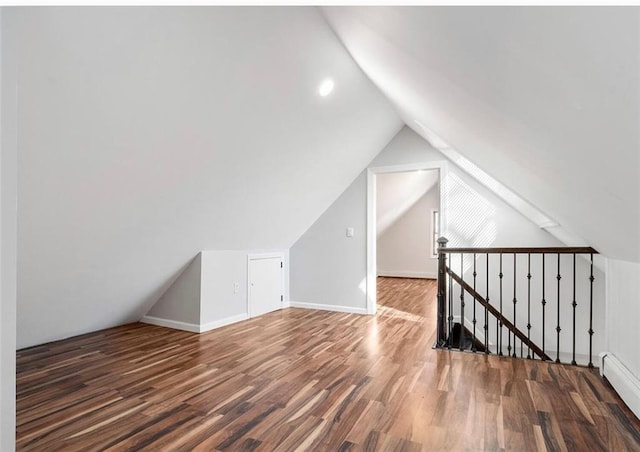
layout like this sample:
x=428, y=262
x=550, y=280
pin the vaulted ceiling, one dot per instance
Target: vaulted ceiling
x=148, y=134
x=544, y=99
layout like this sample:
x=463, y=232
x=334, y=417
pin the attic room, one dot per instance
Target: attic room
x=191, y=251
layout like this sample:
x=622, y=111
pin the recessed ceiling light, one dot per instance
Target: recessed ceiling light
x=325, y=87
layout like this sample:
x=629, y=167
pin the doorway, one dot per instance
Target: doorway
x=405, y=215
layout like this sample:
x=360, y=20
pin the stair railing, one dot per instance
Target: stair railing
x=530, y=336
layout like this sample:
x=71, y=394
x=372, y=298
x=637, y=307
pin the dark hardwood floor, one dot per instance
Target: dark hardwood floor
x=309, y=380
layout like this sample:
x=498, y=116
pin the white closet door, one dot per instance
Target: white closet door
x=266, y=291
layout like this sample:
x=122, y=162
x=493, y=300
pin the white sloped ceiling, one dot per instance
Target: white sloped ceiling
x=148, y=134
x=397, y=193
x=545, y=100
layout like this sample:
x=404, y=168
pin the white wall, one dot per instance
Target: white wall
x=623, y=301
x=328, y=269
x=404, y=248
x=181, y=301
x=220, y=271
x=8, y=221
x=149, y=134
x=622, y=363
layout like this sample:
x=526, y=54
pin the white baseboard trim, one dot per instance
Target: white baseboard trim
x=626, y=384
x=327, y=307
x=223, y=322
x=405, y=274
x=176, y=325
x=192, y=327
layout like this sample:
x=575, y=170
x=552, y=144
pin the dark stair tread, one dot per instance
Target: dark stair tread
x=467, y=338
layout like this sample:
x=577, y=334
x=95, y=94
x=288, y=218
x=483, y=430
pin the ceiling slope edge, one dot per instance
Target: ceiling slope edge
x=539, y=218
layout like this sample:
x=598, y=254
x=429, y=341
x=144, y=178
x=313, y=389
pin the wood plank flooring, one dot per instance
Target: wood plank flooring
x=309, y=380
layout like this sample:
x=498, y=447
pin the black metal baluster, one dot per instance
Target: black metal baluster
x=442, y=292
x=473, y=344
x=574, y=304
x=558, y=329
x=486, y=313
x=591, y=278
x=461, y=339
x=529, y=304
x=450, y=316
x=500, y=320
x=514, y=304
x=544, y=304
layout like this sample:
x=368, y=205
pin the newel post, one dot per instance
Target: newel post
x=442, y=292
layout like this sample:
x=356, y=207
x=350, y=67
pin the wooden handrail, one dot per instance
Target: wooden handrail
x=445, y=316
x=523, y=337
x=540, y=250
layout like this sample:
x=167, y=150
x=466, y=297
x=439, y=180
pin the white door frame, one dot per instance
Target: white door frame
x=372, y=273
x=258, y=256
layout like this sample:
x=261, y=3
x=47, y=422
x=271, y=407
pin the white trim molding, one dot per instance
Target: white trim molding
x=175, y=324
x=328, y=307
x=626, y=384
x=407, y=274
x=371, y=284
x=192, y=327
x=223, y=322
